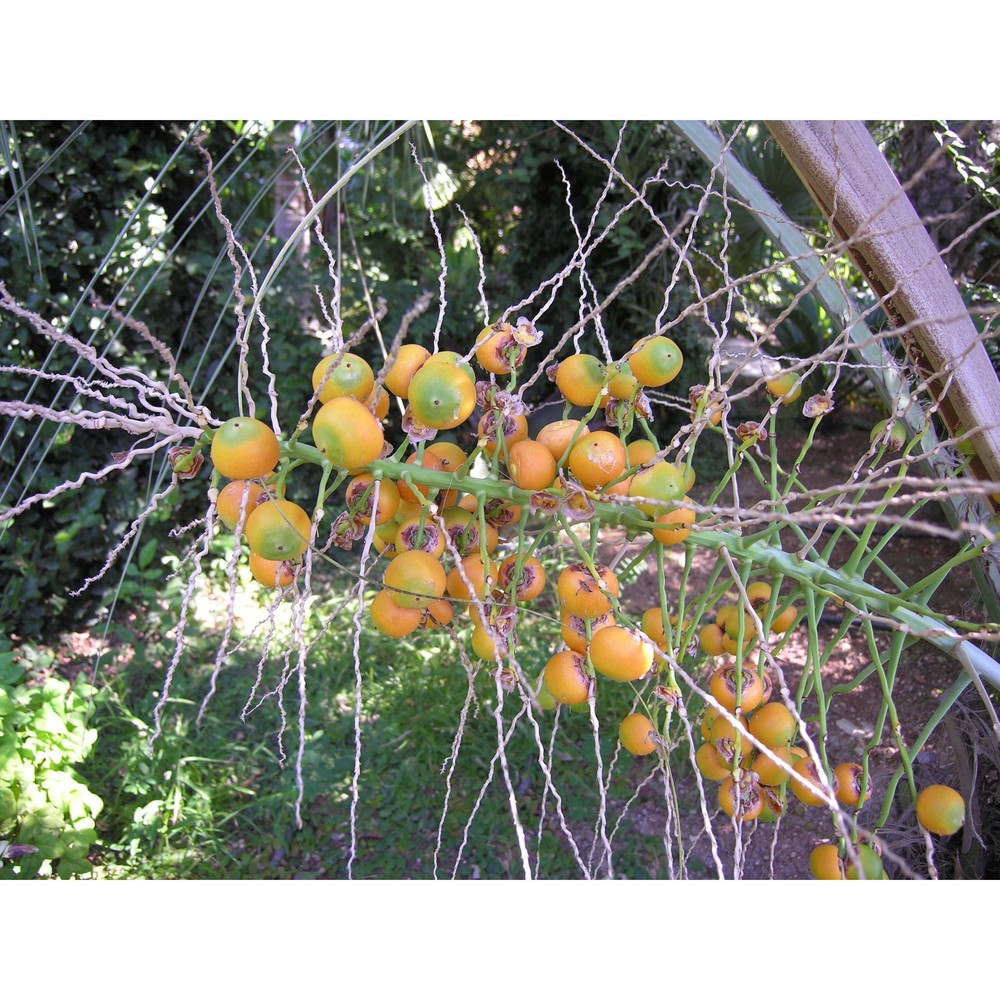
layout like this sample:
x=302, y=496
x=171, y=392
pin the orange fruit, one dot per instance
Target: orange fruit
x=244, y=448
x=415, y=578
x=940, y=809
x=580, y=379
x=673, y=526
x=597, y=458
x=740, y=802
x=847, y=784
x=476, y=572
x=409, y=359
x=640, y=452
x=770, y=773
x=231, y=499
x=441, y=396
x=348, y=433
x=637, y=734
x=391, y=619
x=360, y=495
x=271, y=572
x=566, y=678
x=656, y=361
x=824, y=862
x=558, y=435
x=805, y=783
x=530, y=581
x=531, y=465
x=498, y=351
x=343, y=375
x=583, y=594
x=278, y=530
x=620, y=654
x=773, y=725
x=711, y=765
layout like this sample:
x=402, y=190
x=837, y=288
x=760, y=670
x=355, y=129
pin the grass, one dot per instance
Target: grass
x=216, y=800
x=400, y=765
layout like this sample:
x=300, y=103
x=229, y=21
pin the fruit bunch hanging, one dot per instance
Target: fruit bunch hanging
x=479, y=541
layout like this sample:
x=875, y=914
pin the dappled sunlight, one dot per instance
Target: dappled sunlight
x=466, y=503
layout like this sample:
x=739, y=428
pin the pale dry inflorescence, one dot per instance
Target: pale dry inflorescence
x=767, y=517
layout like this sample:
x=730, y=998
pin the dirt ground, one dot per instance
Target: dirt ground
x=925, y=672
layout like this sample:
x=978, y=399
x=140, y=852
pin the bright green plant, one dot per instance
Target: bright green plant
x=763, y=577
x=44, y=804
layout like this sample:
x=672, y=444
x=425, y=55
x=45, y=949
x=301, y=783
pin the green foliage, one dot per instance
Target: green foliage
x=44, y=804
x=127, y=206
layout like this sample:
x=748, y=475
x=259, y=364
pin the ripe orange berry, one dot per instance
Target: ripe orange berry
x=770, y=773
x=421, y=534
x=437, y=614
x=640, y=451
x=940, y=809
x=231, y=499
x=511, y=429
x=378, y=403
x=409, y=359
x=530, y=580
x=783, y=622
x=360, y=495
x=825, y=863
x=620, y=654
x=652, y=624
x=348, y=433
x=486, y=646
x=531, y=465
x=278, y=529
x=574, y=629
x=476, y=572
x=244, y=448
x=272, y=572
x=723, y=684
x=805, y=783
x=391, y=619
x=731, y=742
x=740, y=801
x=847, y=784
x=558, y=435
x=674, y=528
x=637, y=734
x=416, y=579
x=566, y=678
x=580, y=379
x=774, y=725
x=343, y=375
x=597, y=458
x=583, y=594
x=711, y=764
x=498, y=351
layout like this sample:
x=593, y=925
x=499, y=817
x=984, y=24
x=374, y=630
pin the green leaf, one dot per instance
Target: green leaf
x=68, y=867
x=146, y=553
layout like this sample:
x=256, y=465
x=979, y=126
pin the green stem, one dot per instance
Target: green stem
x=944, y=705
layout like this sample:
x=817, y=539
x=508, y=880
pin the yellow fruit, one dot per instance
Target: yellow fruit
x=637, y=734
x=940, y=809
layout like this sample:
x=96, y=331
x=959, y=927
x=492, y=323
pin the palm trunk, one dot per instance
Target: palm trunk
x=865, y=205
